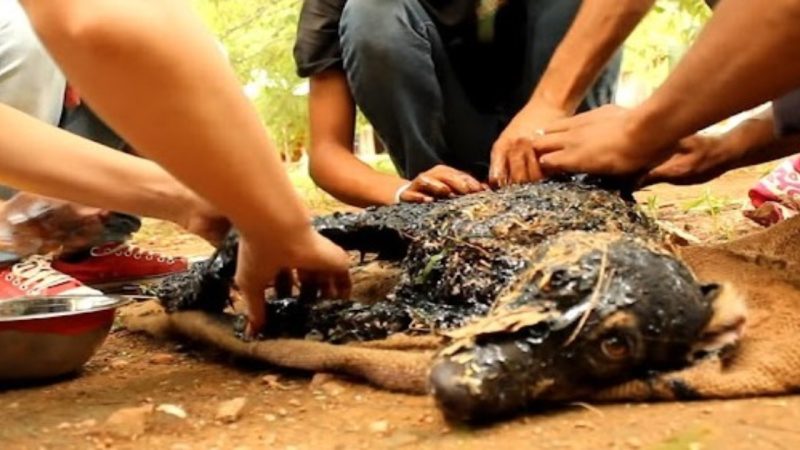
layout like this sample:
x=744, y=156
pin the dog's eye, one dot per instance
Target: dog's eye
x=615, y=347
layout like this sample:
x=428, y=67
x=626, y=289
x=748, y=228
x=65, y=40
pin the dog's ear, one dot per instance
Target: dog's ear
x=728, y=305
x=711, y=290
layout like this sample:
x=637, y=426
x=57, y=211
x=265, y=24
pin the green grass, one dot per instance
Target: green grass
x=708, y=203
x=685, y=440
x=651, y=206
x=713, y=206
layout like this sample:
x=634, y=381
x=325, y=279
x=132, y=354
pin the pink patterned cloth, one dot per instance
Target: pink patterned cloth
x=776, y=196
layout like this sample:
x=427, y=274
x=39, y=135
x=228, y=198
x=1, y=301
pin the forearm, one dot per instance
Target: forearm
x=33, y=157
x=746, y=55
x=332, y=164
x=598, y=30
x=780, y=148
x=155, y=74
x=754, y=142
x=350, y=180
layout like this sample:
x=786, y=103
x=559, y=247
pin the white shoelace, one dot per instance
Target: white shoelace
x=35, y=274
x=133, y=252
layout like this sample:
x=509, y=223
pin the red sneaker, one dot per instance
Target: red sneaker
x=115, y=264
x=36, y=276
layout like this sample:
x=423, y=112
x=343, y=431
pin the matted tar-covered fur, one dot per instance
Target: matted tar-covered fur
x=584, y=271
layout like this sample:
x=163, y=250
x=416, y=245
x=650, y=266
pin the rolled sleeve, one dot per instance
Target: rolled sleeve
x=317, y=45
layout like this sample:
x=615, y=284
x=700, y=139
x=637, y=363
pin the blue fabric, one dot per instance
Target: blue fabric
x=786, y=111
x=6, y=258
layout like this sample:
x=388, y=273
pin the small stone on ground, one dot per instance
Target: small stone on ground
x=230, y=411
x=128, y=422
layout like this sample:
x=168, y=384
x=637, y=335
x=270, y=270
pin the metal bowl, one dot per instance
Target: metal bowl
x=48, y=337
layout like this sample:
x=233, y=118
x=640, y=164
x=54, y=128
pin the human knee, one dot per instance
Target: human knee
x=378, y=27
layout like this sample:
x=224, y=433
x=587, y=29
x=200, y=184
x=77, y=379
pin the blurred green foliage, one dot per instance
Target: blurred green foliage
x=661, y=39
x=258, y=36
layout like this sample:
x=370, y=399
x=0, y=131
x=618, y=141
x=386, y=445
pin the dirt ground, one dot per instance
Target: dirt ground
x=295, y=411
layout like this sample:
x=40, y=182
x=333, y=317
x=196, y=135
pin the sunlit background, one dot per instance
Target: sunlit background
x=258, y=37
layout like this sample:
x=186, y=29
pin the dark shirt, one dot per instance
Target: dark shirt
x=488, y=64
x=317, y=46
x=786, y=111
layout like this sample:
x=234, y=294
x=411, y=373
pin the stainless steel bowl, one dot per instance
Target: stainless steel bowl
x=47, y=337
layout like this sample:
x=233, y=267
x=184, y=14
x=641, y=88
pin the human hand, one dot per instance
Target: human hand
x=439, y=182
x=695, y=160
x=321, y=267
x=513, y=157
x=200, y=218
x=605, y=141
x=32, y=224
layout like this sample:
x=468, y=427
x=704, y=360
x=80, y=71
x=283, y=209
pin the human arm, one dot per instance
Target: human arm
x=147, y=67
x=596, y=33
x=702, y=158
x=336, y=169
x=332, y=163
x=734, y=65
x=39, y=158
